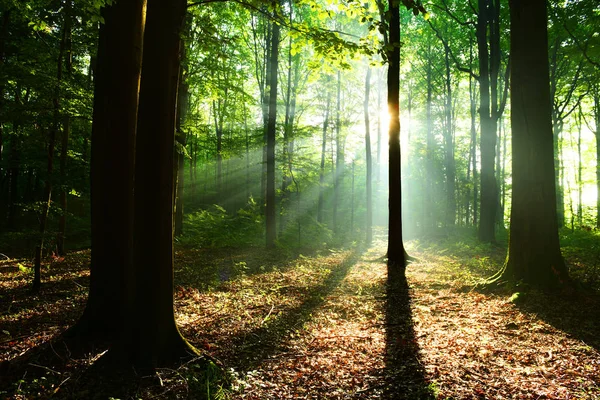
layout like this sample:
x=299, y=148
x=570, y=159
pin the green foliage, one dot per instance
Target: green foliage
x=306, y=233
x=581, y=249
x=215, y=227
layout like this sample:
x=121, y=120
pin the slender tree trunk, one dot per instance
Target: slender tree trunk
x=429, y=219
x=534, y=251
x=321, y=202
x=449, y=146
x=183, y=97
x=368, y=158
x=271, y=221
x=62, y=225
x=487, y=221
x=597, y=134
x=339, y=155
x=579, y=172
x=473, y=112
x=14, y=162
x=288, y=140
x=395, y=251
x=5, y=20
x=54, y=131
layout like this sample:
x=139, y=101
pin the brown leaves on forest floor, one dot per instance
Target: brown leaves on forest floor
x=327, y=327
x=484, y=345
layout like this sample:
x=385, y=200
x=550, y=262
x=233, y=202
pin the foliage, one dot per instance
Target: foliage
x=214, y=227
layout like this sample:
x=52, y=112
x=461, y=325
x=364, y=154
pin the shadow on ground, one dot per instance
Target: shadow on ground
x=577, y=315
x=252, y=348
x=404, y=372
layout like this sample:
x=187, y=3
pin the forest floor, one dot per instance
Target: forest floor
x=322, y=326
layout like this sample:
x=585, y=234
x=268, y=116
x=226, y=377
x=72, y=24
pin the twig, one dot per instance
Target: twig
x=60, y=384
x=268, y=315
x=46, y=368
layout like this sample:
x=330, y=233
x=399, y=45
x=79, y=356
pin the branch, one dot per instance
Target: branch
x=447, y=47
x=452, y=15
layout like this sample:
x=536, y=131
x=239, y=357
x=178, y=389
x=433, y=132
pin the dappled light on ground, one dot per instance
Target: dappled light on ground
x=324, y=325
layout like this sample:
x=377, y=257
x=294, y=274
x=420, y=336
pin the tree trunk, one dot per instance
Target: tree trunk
x=152, y=336
x=62, y=225
x=428, y=217
x=270, y=211
x=597, y=134
x=115, y=117
x=183, y=99
x=534, y=250
x=5, y=20
x=321, y=201
x=395, y=251
x=368, y=158
x=449, y=146
x=339, y=155
x=488, y=211
x=579, y=172
x=473, y=112
x=54, y=131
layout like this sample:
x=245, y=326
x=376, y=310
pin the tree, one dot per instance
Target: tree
x=395, y=251
x=152, y=335
x=534, y=251
x=270, y=209
x=138, y=311
x=368, y=159
x=114, y=121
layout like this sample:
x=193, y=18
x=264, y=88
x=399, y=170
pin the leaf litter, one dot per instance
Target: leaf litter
x=326, y=326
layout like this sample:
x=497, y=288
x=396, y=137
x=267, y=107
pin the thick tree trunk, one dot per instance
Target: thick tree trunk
x=369, y=159
x=270, y=211
x=153, y=338
x=534, y=250
x=395, y=252
x=115, y=117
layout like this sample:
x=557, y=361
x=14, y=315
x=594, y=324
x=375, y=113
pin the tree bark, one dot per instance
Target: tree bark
x=395, y=252
x=115, y=116
x=54, y=131
x=321, y=201
x=534, y=251
x=152, y=336
x=369, y=159
x=449, y=145
x=62, y=224
x=270, y=211
x=339, y=155
x=488, y=208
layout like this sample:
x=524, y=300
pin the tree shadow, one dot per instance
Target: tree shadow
x=577, y=314
x=404, y=372
x=252, y=348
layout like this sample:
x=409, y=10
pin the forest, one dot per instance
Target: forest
x=299, y=199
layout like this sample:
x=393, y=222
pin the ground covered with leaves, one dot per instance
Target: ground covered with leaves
x=322, y=326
